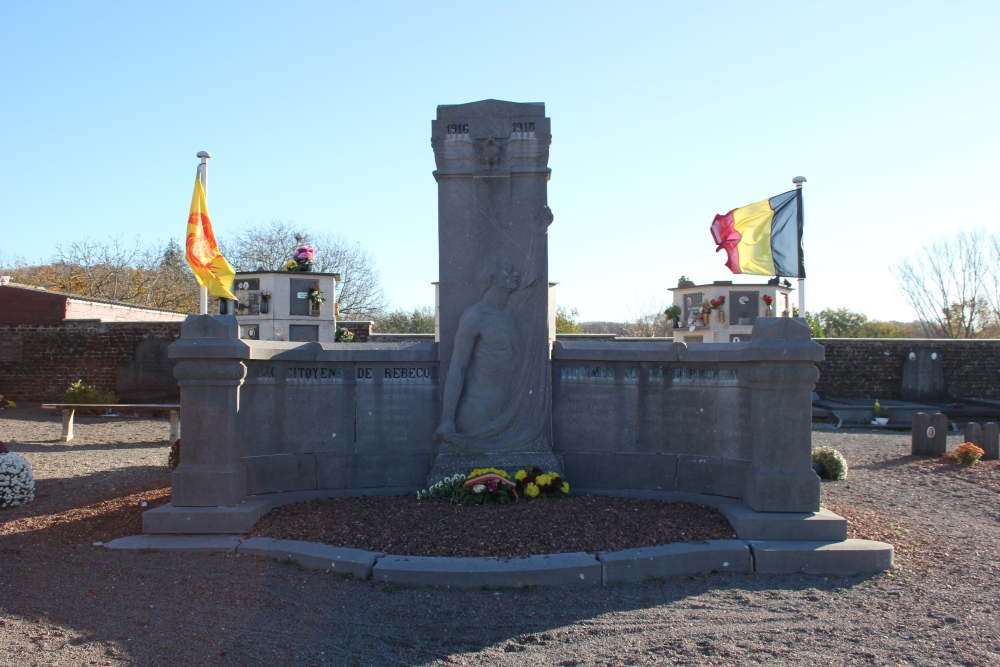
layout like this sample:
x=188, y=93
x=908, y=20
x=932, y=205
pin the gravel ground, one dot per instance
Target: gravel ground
x=64, y=601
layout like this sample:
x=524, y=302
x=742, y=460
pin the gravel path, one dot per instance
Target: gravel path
x=64, y=601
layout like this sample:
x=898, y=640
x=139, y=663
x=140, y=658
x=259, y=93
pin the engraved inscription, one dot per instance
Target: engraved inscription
x=587, y=373
x=265, y=372
x=705, y=374
x=314, y=373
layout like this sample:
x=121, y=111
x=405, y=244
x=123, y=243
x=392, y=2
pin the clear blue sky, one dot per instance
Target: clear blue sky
x=663, y=114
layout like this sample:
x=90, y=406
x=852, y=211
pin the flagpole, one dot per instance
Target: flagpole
x=203, y=174
x=798, y=181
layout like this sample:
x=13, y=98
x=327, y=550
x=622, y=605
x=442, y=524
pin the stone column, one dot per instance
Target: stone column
x=492, y=176
x=781, y=478
x=209, y=371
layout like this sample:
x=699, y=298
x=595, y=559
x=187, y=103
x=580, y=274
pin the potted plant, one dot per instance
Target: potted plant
x=768, y=302
x=717, y=304
x=265, y=297
x=881, y=414
x=706, y=311
x=685, y=281
x=673, y=313
x=315, y=299
x=302, y=260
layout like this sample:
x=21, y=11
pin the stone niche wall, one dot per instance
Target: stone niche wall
x=873, y=367
x=39, y=361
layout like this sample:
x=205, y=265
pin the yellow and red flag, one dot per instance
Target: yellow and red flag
x=211, y=269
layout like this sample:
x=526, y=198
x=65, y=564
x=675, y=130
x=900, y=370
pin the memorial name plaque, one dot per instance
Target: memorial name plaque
x=315, y=407
x=397, y=407
x=594, y=407
x=679, y=408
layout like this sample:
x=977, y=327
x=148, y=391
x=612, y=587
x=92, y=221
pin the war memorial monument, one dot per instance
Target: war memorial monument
x=724, y=424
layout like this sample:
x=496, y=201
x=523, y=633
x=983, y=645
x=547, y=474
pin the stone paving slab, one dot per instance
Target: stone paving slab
x=821, y=526
x=209, y=520
x=572, y=569
x=846, y=557
x=312, y=555
x=673, y=559
x=178, y=543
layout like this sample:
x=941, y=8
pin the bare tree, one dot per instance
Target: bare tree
x=270, y=246
x=947, y=288
x=155, y=276
x=647, y=319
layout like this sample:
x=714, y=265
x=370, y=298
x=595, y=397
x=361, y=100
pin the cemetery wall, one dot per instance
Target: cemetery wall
x=873, y=367
x=39, y=361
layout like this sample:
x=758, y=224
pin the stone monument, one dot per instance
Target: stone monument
x=492, y=174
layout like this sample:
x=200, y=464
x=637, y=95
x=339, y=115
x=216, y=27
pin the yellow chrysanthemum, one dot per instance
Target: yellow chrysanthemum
x=542, y=480
x=531, y=490
x=565, y=487
x=520, y=475
x=552, y=474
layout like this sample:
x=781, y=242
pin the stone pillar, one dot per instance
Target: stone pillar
x=781, y=478
x=209, y=371
x=492, y=176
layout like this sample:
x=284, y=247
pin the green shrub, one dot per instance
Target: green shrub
x=833, y=462
x=968, y=453
x=79, y=392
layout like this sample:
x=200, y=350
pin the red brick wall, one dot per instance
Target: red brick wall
x=873, y=367
x=19, y=305
x=39, y=361
x=360, y=328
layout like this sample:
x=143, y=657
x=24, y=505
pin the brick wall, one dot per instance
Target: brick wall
x=39, y=361
x=873, y=367
x=360, y=328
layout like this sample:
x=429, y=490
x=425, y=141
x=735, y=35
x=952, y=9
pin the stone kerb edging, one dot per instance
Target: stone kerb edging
x=845, y=557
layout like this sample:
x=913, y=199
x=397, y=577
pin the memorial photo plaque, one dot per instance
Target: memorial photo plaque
x=743, y=307
x=692, y=308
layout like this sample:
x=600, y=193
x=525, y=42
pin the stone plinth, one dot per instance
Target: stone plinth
x=209, y=371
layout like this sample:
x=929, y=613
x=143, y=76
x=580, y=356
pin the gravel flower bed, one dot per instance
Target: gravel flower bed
x=66, y=602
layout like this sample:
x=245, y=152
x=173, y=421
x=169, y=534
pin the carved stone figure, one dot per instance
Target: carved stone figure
x=488, y=402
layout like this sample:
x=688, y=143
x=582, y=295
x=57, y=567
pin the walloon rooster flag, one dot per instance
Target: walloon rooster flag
x=763, y=239
x=210, y=268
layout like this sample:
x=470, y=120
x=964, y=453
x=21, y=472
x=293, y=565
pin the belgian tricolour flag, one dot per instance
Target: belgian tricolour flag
x=763, y=239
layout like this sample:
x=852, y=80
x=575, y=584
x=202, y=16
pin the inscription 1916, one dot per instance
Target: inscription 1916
x=458, y=128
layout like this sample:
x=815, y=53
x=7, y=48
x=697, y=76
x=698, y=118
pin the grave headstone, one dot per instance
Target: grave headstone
x=990, y=442
x=930, y=435
x=492, y=174
x=923, y=377
x=973, y=433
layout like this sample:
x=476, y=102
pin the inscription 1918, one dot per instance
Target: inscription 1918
x=523, y=127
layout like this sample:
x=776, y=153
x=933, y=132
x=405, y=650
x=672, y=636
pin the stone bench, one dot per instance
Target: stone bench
x=69, y=410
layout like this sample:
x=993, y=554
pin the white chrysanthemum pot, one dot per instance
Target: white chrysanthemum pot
x=17, y=484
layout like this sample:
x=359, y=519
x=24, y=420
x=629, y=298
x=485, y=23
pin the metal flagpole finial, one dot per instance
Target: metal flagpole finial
x=798, y=180
x=205, y=155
